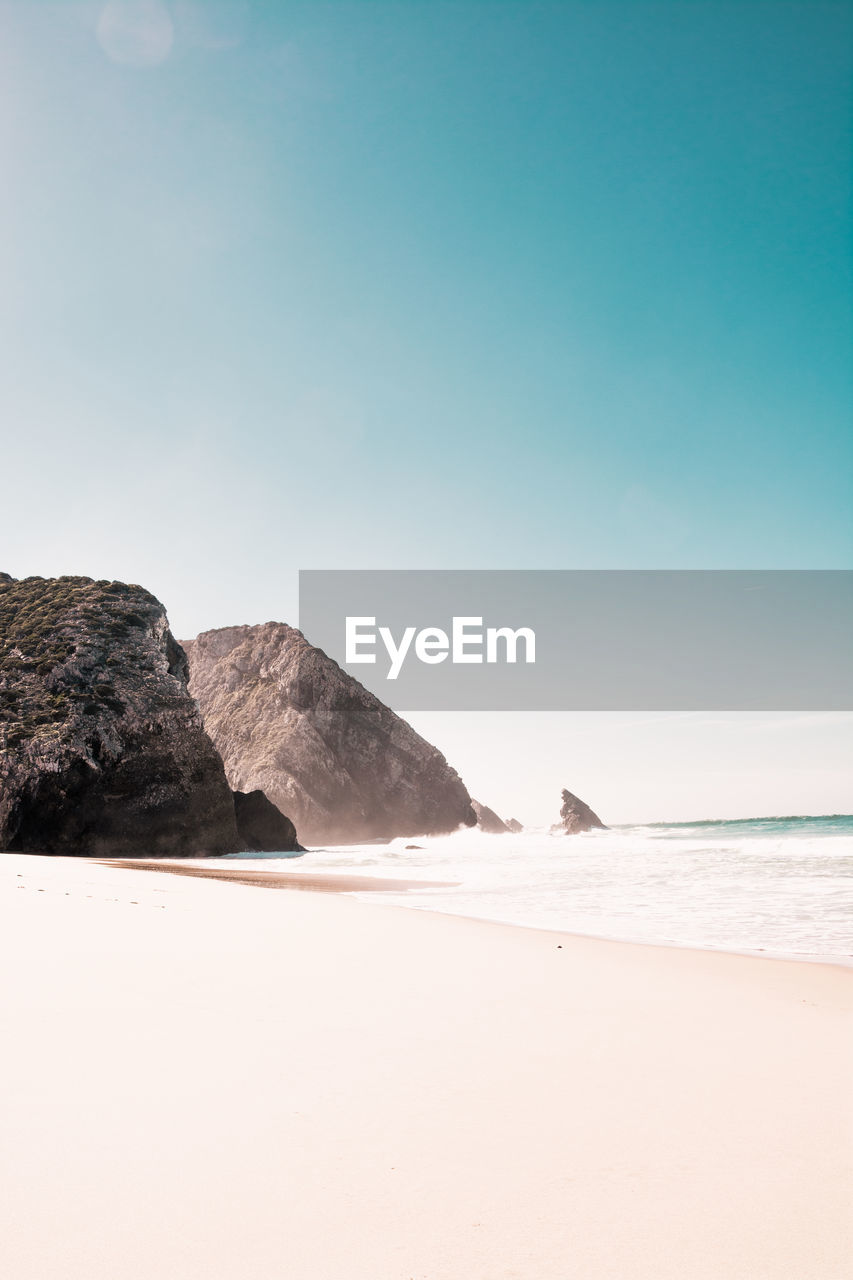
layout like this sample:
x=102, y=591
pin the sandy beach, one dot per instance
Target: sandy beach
x=205, y=1079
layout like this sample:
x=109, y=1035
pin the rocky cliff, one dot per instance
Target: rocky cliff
x=102, y=749
x=286, y=718
x=576, y=816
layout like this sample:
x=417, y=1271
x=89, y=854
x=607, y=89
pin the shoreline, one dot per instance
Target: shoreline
x=352, y=883
x=841, y=962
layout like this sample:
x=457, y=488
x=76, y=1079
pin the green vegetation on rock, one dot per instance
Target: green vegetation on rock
x=51, y=632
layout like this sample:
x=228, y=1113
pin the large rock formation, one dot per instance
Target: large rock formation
x=287, y=719
x=488, y=820
x=513, y=825
x=576, y=816
x=102, y=749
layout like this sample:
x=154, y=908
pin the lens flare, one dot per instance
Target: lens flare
x=135, y=33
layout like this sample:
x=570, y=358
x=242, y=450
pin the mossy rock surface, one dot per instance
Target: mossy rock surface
x=102, y=749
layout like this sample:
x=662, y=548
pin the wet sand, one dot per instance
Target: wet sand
x=313, y=882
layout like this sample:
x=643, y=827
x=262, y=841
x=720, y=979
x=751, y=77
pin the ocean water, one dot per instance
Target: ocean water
x=783, y=886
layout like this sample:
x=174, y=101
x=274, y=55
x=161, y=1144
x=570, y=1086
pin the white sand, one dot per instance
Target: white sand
x=203, y=1080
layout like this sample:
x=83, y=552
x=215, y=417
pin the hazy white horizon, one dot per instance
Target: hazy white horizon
x=650, y=766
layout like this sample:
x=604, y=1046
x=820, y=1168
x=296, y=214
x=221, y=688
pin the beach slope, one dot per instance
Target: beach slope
x=210, y=1079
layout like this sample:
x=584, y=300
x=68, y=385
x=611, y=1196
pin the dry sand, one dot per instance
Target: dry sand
x=204, y=1081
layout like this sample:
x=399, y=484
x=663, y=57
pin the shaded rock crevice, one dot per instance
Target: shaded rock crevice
x=262, y=827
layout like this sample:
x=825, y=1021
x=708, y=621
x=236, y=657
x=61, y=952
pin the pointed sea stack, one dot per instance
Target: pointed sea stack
x=576, y=816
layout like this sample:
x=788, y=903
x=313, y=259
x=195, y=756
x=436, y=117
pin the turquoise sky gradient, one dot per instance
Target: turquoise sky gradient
x=440, y=285
x=493, y=285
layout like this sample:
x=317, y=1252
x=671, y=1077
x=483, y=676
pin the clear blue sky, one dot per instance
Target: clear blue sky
x=488, y=285
x=368, y=285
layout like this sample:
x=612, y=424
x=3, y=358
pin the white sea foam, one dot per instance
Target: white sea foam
x=782, y=886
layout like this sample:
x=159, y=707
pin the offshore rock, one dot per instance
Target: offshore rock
x=262, y=827
x=576, y=816
x=488, y=820
x=513, y=825
x=286, y=719
x=102, y=748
